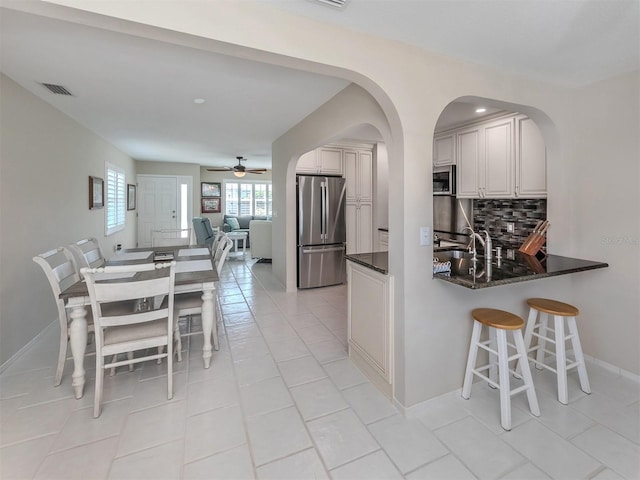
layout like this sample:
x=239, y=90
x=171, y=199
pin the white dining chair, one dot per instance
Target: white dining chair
x=189, y=304
x=60, y=269
x=87, y=253
x=216, y=240
x=139, y=316
x=170, y=237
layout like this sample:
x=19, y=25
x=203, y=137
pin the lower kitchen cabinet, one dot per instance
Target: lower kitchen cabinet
x=370, y=321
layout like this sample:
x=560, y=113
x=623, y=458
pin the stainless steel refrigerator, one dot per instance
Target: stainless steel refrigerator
x=321, y=230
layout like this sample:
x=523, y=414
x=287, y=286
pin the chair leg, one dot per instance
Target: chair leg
x=526, y=373
x=471, y=360
x=503, y=372
x=528, y=335
x=577, y=351
x=97, y=401
x=112, y=371
x=159, y=360
x=169, y=369
x=62, y=357
x=561, y=360
x=131, y=365
x=493, y=358
x=178, y=342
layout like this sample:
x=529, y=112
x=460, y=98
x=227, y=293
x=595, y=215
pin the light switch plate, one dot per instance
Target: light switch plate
x=425, y=236
x=510, y=227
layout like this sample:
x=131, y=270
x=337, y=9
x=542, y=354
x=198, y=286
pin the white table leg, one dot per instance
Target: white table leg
x=244, y=247
x=78, y=341
x=208, y=317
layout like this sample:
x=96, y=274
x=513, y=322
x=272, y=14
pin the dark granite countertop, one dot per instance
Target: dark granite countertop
x=521, y=269
x=378, y=261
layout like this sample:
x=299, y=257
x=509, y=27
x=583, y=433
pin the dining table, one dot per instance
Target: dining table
x=195, y=272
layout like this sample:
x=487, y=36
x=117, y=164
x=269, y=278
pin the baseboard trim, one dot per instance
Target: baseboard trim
x=613, y=369
x=11, y=360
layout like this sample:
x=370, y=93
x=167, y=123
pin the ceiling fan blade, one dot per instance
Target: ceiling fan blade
x=255, y=170
x=220, y=169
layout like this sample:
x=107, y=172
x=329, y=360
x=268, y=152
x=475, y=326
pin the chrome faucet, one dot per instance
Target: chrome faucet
x=485, y=242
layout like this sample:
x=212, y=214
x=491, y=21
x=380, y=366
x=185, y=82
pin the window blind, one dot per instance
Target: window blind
x=243, y=198
x=116, y=199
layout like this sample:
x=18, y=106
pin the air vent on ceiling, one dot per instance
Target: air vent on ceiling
x=57, y=89
x=341, y=4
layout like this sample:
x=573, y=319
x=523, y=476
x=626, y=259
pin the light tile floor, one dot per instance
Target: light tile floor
x=282, y=401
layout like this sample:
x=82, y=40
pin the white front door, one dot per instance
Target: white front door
x=157, y=206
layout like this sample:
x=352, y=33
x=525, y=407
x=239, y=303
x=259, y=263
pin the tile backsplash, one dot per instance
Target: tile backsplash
x=494, y=214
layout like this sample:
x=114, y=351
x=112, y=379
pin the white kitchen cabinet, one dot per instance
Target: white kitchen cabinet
x=383, y=241
x=485, y=159
x=358, y=168
x=444, y=150
x=531, y=160
x=321, y=161
x=370, y=324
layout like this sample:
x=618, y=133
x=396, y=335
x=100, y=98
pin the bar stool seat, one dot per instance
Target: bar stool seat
x=541, y=308
x=499, y=322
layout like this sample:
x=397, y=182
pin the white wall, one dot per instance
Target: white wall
x=412, y=87
x=46, y=159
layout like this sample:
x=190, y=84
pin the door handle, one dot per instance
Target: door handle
x=324, y=250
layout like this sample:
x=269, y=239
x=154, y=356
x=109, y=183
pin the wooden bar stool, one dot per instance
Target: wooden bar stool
x=560, y=311
x=499, y=322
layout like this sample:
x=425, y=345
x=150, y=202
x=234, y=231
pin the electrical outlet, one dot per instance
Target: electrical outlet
x=511, y=254
x=510, y=227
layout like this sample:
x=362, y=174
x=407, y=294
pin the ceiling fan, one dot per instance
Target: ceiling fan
x=238, y=170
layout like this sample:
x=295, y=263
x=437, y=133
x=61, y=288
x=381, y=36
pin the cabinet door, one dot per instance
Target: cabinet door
x=531, y=164
x=365, y=228
x=351, y=220
x=351, y=175
x=307, y=163
x=330, y=161
x=470, y=171
x=443, y=150
x=365, y=175
x=499, y=159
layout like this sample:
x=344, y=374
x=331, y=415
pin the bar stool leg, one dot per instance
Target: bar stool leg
x=493, y=358
x=503, y=371
x=542, y=343
x=526, y=373
x=577, y=351
x=528, y=335
x=561, y=360
x=471, y=361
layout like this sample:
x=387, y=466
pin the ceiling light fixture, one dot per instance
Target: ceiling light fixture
x=481, y=110
x=239, y=174
x=199, y=101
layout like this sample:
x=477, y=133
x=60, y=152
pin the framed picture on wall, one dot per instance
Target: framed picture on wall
x=131, y=196
x=210, y=205
x=211, y=189
x=96, y=193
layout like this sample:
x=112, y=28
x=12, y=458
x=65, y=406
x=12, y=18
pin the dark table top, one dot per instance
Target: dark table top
x=507, y=271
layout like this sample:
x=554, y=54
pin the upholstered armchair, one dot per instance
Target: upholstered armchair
x=260, y=233
x=202, y=229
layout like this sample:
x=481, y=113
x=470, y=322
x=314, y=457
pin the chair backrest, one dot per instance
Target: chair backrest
x=168, y=237
x=59, y=267
x=130, y=283
x=225, y=245
x=216, y=240
x=87, y=253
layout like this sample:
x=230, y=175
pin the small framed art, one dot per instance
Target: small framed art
x=96, y=193
x=211, y=189
x=210, y=205
x=131, y=196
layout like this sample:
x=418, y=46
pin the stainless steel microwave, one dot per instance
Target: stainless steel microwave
x=444, y=180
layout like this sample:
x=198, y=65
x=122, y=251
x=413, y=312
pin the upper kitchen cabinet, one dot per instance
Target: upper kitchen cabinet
x=358, y=169
x=501, y=158
x=321, y=161
x=531, y=160
x=444, y=150
x=485, y=160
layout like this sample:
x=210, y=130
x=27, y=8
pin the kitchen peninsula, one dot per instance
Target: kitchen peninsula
x=521, y=268
x=370, y=317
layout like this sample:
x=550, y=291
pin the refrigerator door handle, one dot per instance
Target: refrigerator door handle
x=323, y=212
x=324, y=250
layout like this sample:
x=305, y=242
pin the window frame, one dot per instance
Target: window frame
x=120, y=200
x=253, y=183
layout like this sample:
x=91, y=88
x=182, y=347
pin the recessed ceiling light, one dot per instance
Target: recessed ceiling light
x=481, y=110
x=199, y=101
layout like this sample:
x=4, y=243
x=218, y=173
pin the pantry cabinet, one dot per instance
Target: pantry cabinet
x=358, y=168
